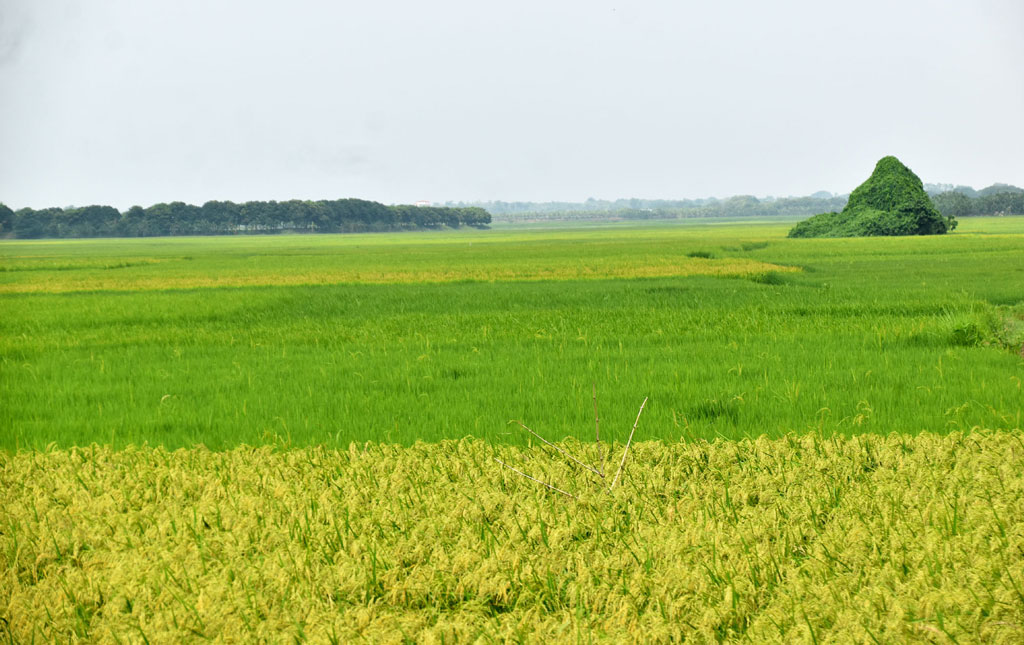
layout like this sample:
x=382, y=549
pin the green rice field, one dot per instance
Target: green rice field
x=731, y=330
x=314, y=439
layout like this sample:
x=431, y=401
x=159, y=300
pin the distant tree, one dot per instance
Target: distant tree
x=221, y=217
x=476, y=217
x=996, y=189
x=257, y=216
x=966, y=190
x=953, y=204
x=133, y=221
x=159, y=220
x=999, y=204
x=30, y=223
x=90, y=221
x=405, y=216
x=6, y=219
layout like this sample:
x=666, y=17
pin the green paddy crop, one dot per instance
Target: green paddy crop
x=798, y=539
x=731, y=329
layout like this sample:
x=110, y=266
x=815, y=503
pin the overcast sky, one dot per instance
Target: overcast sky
x=134, y=102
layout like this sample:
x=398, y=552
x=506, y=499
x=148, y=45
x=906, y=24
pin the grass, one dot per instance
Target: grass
x=126, y=342
x=797, y=539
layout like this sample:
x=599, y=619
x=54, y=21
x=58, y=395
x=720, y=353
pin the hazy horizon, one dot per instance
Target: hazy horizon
x=121, y=103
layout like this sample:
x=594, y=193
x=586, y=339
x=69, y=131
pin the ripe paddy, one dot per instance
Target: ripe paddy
x=800, y=539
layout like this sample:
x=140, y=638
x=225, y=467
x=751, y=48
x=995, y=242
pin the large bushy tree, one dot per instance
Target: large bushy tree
x=891, y=202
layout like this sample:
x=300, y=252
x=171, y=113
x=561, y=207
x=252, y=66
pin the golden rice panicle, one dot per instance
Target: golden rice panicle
x=893, y=538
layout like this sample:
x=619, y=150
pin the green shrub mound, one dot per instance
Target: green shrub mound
x=891, y=202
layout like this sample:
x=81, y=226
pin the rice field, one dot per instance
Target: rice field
x=800, y=539
x=294, y=438
x=732, y=330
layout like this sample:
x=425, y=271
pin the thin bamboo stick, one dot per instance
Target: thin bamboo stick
x=566, y=454
x=519, y=472
x=597, y=431
x=626, y=451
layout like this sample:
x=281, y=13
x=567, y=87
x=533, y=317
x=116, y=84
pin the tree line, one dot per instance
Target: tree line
x=954, y=203
x=224, y=217
x=959, y=201
x=740, y=206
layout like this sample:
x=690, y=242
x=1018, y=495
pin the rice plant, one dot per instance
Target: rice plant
x=891, y=538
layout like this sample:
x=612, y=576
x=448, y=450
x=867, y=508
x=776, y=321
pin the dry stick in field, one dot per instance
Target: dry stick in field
x=597, y=430
x=588, y=467
x=519, y=472
x=626, y=451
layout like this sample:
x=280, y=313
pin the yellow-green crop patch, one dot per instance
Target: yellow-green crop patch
x=185, y=263
x=86, y=278
x=799, y=539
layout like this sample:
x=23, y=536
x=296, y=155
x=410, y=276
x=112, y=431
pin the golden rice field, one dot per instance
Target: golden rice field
x=63, y=266
x=884, y=539
x=722, y=268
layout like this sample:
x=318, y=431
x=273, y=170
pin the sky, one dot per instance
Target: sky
x=124, y=102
